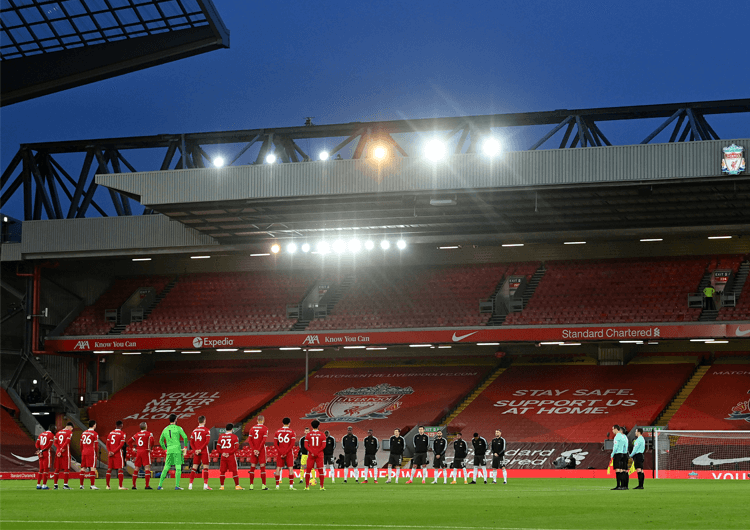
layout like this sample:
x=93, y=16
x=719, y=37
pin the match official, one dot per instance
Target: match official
x=620, y=457
x=639, y=447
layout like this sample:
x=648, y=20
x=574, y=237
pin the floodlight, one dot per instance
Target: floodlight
x=401, y=244
x=369, y=245
x=270, y=158
x=339, y=246
x=324, y=247
x=385, y=244
x=379, y=152
x=324, y=155
x=355, y=245
x=219, y=161
x=291, y=248
x=275, y=248
x=305, y=247
x=491, y=147
x=434, y=150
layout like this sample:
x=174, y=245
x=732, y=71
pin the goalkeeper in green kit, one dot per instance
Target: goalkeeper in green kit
x=170, y=441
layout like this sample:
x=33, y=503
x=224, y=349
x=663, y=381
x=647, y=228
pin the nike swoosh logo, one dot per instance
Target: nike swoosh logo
x=27, y=458
x=741, y=333
x=704, y=460
x=457, y=338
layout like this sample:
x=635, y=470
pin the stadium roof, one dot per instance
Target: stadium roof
x=47, y=46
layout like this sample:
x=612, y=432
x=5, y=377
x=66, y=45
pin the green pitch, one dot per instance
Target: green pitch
x=521, y=504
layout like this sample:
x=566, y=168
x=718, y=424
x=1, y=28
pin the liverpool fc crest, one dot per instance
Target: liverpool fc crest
x=360, y=404
x=733, y=161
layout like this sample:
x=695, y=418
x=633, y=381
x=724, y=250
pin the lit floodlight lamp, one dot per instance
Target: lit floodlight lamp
x=339, y=246
x=324, y=247
x=379, y=152
x=491, y=147
x=219, y=161
x=354, y=246
x=275, y=248
x=270, y=158
x=291, y=248
x=401, y=244
x=305, y=248
x=324, y=155
x=435, y=150
x=369, y=245
x=385, y=244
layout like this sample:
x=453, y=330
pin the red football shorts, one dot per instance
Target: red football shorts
x=228, y=464
x=142, y=459
x=88, y=460
x=286, y=460
x=116, y=461
x=260, y=459
x=62, y=463
x=45, y=461
x=314, y=461
x=201, y=458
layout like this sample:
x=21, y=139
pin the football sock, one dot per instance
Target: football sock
x=205, y=476
x=121, y=476
x=177, y=475
x=291, y=477
x=135, y=476
x=505, y=475
x=82, y=475
x=411, y=475
x=263, y=475
x=221, y=479
x=484, y=473
x=192, y=476
x=307, y=479
x=38, y=479
x=237, y=479
x=57, y=476
x=109, y=476
x=45, y=476
x=626, y=476
x=148, y=478
x=641, y=478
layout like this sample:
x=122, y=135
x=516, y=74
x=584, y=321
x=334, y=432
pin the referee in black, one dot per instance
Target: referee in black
x=371, y=450
x=421, y=445
x=439, y=446
x=350, y=443
x=397, y=453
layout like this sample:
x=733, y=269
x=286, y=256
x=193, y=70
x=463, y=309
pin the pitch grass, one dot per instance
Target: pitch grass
x=521, y=504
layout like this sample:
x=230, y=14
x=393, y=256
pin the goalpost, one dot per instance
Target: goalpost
x=702, y=454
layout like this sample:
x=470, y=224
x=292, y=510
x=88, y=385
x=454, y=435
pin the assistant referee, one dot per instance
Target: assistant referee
x=639, y=446
x=620, y=457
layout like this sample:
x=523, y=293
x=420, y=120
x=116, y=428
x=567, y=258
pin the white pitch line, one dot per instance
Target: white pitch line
x=329, y=525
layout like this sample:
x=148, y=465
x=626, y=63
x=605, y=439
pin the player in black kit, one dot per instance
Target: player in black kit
x=460, y=450
x=480, y=448
x=371, y=449
x=350, y=443
x=397, y=453
x=498, y=457
x=421, y=445
x=328, y=455
x=438, y=462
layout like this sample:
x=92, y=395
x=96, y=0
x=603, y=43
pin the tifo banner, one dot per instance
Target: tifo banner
x=571, y=403
x=223, y=391
x=720, y=401
x=411, y=336
x=375, y=398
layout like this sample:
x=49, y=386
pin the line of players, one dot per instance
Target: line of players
x=316, y=454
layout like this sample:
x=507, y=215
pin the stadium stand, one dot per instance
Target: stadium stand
x=720, y=401
x=91, y=320
x=226, y=302
x=419, y=296
x=535, y=403
x=381, y=397
x=223, y=391
x=615, y=290
x=13, y=440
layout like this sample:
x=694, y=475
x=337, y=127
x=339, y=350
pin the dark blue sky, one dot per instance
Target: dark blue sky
x=361, y=61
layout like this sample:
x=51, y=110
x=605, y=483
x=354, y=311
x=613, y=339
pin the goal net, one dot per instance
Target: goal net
x=702, y=454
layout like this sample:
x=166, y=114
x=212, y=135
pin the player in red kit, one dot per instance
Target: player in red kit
x=257, y=439
x=143, y=441
x=285, y=440
x=115, y=443
x=44, y=451
x=228, y=444
x=62, y=462
x=89, y=446
x=316, y=444
x=199, y=439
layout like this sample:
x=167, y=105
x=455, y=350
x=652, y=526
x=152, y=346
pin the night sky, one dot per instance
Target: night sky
x=362, y=61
